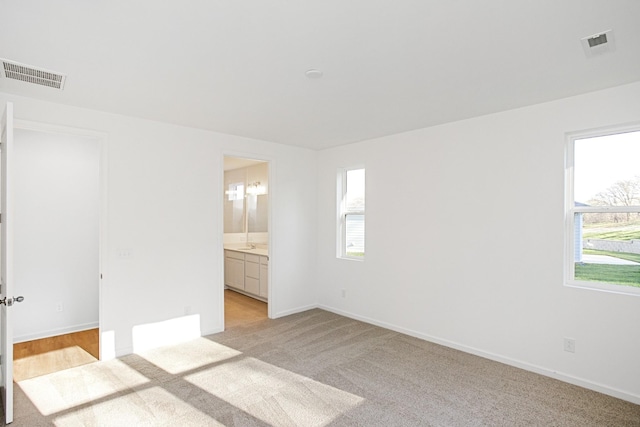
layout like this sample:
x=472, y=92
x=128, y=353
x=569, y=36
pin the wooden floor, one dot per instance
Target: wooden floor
x=47, y=355
x=52, y=354
x=240, y=309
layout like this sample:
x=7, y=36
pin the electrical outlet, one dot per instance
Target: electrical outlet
x=59, y=307
x=187, y=309
x=344, y=293
x=124, y=253
x=570, y=345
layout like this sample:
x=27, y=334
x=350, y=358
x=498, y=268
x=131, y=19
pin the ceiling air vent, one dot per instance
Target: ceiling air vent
x=29, y=74
x=597, y=40
x=598, y=43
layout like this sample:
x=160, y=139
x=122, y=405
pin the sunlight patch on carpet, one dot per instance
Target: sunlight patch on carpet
x=189, y=355
x=151, y=406
x=274, y=395
x=68, y=389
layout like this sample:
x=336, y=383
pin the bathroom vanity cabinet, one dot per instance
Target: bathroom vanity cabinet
x=247, y=273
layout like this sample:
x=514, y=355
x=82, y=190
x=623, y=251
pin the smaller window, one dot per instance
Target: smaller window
x=351, y=213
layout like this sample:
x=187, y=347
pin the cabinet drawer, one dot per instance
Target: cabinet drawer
x=264, y=281
x=252, y=285
x=252, y=269
x=252, y=258
x=234, y=255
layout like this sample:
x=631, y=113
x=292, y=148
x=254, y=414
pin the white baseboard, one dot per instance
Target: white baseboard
x=212, y=331
x=124, y=351
x=55, y=332
x=601, y=388
x=295, y=310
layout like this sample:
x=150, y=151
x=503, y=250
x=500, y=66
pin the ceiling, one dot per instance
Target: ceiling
x=238, y=67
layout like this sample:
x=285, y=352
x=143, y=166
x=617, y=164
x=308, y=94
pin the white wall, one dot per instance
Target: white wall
x=165, y=209
x=445, y=259
x=56, y=227
x=448, y=258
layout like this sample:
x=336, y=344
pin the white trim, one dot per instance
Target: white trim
x=212, y=331
x=604, y=131
x=123, y=351
x=295, y=311
x=569, y=254
x=341, y=184
x=604, y=287
x=605, y=209
x=58, y=129
x=581, y=382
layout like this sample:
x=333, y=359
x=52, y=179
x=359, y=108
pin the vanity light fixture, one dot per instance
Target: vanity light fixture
x=256, y=189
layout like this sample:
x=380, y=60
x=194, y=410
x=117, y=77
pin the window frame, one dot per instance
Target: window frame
x=342, y=213
x=571, y=210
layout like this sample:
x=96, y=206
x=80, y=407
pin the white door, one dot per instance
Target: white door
x=6, y=276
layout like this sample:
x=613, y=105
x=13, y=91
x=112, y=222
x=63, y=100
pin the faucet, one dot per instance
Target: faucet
x=252, y=245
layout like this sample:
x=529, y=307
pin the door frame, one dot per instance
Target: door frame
x=102, y=137
x=6, y=333
x=272, y=288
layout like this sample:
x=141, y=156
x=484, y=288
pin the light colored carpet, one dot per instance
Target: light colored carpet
x=310, y=369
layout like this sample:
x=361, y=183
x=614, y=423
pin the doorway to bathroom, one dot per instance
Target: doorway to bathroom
x=245, y=240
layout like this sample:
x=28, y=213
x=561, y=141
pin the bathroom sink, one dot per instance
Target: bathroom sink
x=262, y=251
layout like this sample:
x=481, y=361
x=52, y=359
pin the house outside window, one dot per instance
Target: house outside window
x=351, y=213
x=603, y=210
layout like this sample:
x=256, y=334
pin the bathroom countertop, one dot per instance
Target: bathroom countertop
x=245, y=249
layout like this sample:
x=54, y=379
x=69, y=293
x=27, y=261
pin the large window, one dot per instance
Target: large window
x=603, y=211
x=351, y=213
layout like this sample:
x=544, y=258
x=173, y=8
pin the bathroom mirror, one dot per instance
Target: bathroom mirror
x=246, y=202
x=257, y=209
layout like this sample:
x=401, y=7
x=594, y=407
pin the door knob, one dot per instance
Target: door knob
x=9, y=302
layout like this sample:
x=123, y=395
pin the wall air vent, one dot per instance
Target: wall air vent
x=599, y=43
x=29, y=74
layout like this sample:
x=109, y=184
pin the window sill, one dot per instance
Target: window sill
x=351, y=258
x=605, y=287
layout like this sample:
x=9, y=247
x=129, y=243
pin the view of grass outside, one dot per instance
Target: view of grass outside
x=598, y=231
x=626, y=275
x=621, y=230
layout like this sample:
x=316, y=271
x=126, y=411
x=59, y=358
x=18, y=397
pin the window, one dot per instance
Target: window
x=603, y=211
x=234, y=207
x=351, y=213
